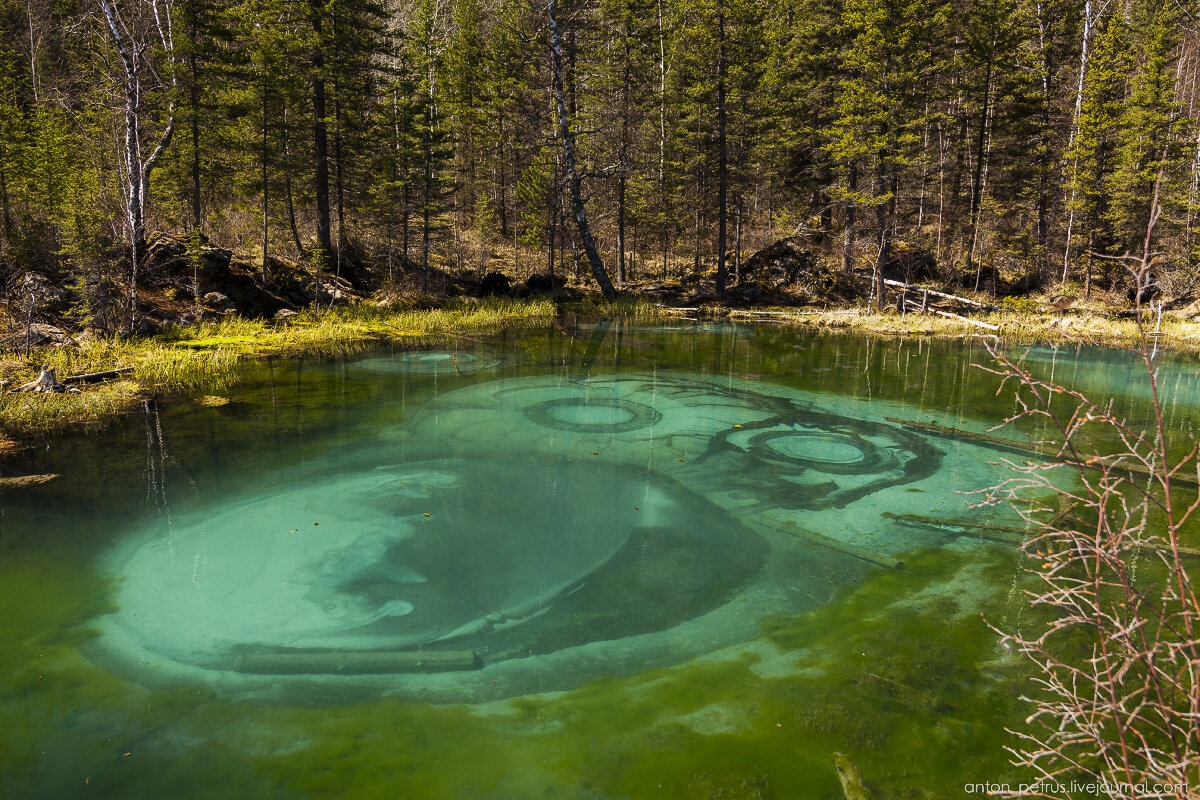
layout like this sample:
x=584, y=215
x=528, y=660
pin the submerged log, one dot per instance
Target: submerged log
x=1030, y=447
x=992, y=533
x=996, y=441
x=772, y=524
x=371, y=662
x=25, y=481
x=1017, y=536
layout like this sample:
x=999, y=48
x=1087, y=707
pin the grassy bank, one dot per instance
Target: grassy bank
x=1012, y=326
x=204, y=358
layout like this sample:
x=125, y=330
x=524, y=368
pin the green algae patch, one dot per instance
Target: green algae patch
x=42, y=602
x=71, y=728
x=392, y=748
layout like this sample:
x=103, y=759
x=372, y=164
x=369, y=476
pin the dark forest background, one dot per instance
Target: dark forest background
x=1023, y=137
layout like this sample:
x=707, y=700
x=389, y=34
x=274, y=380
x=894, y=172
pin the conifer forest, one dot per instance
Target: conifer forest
x=617, y=140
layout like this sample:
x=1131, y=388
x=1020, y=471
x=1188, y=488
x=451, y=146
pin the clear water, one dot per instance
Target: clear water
x=599, y=561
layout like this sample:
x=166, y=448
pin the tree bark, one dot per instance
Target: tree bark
x=621, y=276
x=1088, y=27
x=1043, y=204
x=567, y=137
x=265, y=189
x=981, y=156
x=320, y=144
x=338, y=182
x=848, y=246
x=137, y=168
x=722, y=153
x=194, y=99
x=5, y=208
x=623, y=165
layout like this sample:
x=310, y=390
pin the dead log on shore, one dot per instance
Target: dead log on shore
x=97, y=377
x=47, y=381
x=966, y=300
x=977, y=323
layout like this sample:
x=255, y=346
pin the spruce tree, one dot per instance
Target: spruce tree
x=1094, y=153
x=1152, y=136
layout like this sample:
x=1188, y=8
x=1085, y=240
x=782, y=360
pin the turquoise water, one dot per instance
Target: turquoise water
x=599, y=561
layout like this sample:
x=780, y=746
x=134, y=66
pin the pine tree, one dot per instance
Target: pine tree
x=881, y=106
x=1150, y=150
x=627, y=54
x=800, y=86
x=465, y=110
x=432, y=135
x=723, y=48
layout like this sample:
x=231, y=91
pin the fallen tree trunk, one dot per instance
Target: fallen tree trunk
x=954, y=297
x=968, y=320
x=1015, y=536
x=991, y=533
x=772, y=524
x=1025, y=448
x=97, y=377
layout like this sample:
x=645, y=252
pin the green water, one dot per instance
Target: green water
x=651, y=541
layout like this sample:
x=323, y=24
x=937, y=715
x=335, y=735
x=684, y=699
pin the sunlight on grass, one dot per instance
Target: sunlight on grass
x=205, y=357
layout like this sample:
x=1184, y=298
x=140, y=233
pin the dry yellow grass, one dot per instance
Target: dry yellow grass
x=1014, y=326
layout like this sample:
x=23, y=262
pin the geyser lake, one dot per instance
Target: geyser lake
x=604, y=561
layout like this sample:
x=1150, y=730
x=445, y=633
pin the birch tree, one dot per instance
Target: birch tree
x=566, y=138
x=142, y=33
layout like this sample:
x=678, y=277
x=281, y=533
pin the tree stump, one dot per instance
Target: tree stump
x=47, y=382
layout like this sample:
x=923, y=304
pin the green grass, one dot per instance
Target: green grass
x=635, y=308
x=205, y=357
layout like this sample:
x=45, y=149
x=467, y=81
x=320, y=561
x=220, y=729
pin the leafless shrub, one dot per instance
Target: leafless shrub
x=1117, y=692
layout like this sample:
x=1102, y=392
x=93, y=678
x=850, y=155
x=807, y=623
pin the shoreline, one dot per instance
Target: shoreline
x=202, y=359
x=1019, y=327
